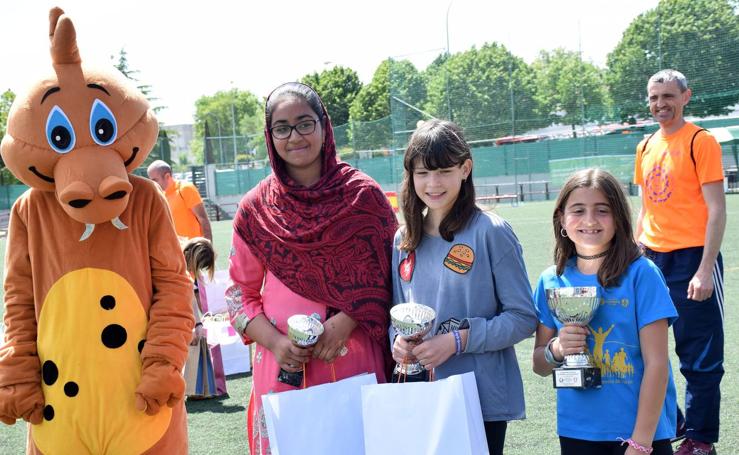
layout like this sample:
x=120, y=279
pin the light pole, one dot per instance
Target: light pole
x=446, y=66
x=220, y=135
x=233, y=124
x=233, y=138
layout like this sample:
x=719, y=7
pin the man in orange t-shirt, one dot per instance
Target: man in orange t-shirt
x=681, y=225
x=185, y=204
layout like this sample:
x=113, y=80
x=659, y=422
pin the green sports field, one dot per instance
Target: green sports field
x=218, y=427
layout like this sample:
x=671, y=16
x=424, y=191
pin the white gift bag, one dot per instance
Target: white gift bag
x=440, y=417
x=323, y=419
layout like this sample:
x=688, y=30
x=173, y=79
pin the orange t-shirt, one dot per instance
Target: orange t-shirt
x=675, y=214
x=181, y=198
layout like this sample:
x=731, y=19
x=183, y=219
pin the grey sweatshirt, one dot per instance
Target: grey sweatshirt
x=479, y=279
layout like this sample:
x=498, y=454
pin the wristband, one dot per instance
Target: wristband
x=549, y=355
x=457, y=342
x=636, y=446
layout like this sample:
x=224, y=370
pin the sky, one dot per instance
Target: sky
x=186, y=49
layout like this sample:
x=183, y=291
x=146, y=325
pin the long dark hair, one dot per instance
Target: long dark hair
x=437, y=144
x=623, y=250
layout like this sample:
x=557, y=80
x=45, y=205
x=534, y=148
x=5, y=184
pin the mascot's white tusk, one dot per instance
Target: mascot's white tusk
x=118, y=224
x=88, y=231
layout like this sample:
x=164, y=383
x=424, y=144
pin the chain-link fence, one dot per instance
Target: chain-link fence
x=534, y=121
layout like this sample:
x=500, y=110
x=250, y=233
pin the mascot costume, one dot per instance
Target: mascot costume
x=97, y=301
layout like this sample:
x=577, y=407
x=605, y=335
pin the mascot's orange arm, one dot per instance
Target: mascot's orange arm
x=20, y=369
x=170, y=316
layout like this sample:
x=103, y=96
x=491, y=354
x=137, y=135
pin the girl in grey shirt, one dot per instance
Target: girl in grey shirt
x=468, y=266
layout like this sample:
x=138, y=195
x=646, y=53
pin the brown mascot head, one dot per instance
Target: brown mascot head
x=79, y=133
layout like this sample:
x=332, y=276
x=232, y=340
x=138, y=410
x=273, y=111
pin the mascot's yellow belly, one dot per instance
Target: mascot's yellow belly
x=91, y=330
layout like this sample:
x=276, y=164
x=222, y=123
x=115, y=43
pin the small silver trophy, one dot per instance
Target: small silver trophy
x=303, y=331
x=575, y=305
x=412, y=321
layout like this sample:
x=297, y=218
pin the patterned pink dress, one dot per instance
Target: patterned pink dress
x=257, y=291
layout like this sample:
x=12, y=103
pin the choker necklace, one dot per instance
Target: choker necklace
x=595, y=256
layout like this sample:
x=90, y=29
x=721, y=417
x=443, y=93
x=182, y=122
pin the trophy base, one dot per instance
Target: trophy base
x=293, y=379
x=419, y=377
x=576, y=378
x=412, y=372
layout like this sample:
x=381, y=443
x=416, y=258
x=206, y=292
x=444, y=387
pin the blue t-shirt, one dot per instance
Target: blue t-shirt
x=641, y=298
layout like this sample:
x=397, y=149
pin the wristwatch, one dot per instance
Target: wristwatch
x=549, y=356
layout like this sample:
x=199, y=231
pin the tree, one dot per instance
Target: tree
x=699, y=38
x=476, y=87
x=6, y=100
x=393, y=80
x=337, y=87
x=132, y=74
x=235, y=121
x=569, y=90
x=162, y=148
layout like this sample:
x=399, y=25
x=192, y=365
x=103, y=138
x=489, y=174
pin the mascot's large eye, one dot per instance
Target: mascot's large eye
x=103, y=127
x=59, y=131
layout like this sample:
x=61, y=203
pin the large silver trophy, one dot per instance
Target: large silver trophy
x=303, y=331
x=575, y=305
x=412, y=321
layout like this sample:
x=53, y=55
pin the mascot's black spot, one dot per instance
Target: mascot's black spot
x=71, y=389
x=50, y=372
x=48, y=412
x=107, y=302
x=141, y=345
x=113, y=336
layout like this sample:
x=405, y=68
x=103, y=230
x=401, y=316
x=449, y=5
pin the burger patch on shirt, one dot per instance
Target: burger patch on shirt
x=460, y=258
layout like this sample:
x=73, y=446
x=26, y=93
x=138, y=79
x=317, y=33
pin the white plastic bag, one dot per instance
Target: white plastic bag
x=440, y=417
x=323, y=419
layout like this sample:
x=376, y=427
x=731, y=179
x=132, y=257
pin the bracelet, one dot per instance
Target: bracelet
x=457, y=342
x=635, y=445
x=549, y=355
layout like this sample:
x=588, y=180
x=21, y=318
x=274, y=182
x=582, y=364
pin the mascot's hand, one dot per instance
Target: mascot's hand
x=161, y=383
x=22, y=401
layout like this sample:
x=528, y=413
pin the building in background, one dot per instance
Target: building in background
x=180, y=137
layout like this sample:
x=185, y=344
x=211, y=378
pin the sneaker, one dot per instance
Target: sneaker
x=693, y=447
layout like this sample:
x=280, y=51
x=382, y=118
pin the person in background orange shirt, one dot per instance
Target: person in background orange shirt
x=190, y=221
x=188, y=211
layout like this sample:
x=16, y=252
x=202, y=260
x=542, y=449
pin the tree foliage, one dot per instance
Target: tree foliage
x=232, y=117
x=568, y=90
x=475, y=89
x=393, y=80
x=6, y=100
x=162, y=150
x=121, y=64
x=700, y=38
x=337, y=87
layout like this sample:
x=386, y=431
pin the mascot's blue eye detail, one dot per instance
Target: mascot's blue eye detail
x=59, y=131
x=103, y=128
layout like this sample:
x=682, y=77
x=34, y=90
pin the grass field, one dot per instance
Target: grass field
x=218, y=427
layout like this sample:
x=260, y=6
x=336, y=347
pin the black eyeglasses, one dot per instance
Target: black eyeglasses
x=304, y=128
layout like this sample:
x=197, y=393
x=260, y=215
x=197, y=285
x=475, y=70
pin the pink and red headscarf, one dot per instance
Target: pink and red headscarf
x=330, y=242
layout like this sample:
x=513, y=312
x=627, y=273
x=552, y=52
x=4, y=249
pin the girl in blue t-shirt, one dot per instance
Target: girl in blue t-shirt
x=468, y=266
x=633, y=412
